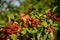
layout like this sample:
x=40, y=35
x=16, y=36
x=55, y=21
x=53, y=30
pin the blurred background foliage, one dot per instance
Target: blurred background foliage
x=12, y=8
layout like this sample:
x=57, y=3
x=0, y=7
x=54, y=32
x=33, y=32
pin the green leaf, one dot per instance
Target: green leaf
x=13, y=36
x=33, y=31
x=51, y=22
x=49, y=36
x=54, y=24
x=11, y=15
x=54, y=8
x=38, y=35
x=44, y=23
x=45, y=36
x=56, y=28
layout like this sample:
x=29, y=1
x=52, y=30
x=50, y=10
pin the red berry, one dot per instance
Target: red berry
x=48, y=26
x=47, y=30
x=51, y=31
x=33, y=25
x=57, y=19
x=17, y=26
x=3, y=30
x=25, y=25
x=52, y=27
x=22, y=14
x=11, y=22
x=15, y=32
x=8, y=31
x=32, y=19
x=49, y=13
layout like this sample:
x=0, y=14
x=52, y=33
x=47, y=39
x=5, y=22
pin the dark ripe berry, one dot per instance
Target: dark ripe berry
x=33, y=25
x=25, y=25
x=8, y=31
x=14, y=29
x=32, y=19
x=49, y=13
x=17, y=26
x=47, y=30
x=3, y=30
x=15, y=32
x=51, y=31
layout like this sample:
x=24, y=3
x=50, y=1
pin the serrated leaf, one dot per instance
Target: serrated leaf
x=10, y=15
x=13, y=36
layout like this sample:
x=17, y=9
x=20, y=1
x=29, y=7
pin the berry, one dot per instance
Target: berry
x=17, y=26
x=25, y=25
x=57, y=19
x=15, y=32
x=11, y=22
x=8, y=26
x=49, y=13
x=27, y=17
x=47, y=30
x=51, y=31
x=8, y=31
x=32, y=19
x=48, y=26
x=22, y=14
x=52, y=27
x=3, y=30
x=33, y=25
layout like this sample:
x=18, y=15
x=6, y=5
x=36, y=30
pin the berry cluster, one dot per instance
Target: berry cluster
x=29, y=21
x=50, y=29
x=11, y=29
x=50, y=14
x=35, y=22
